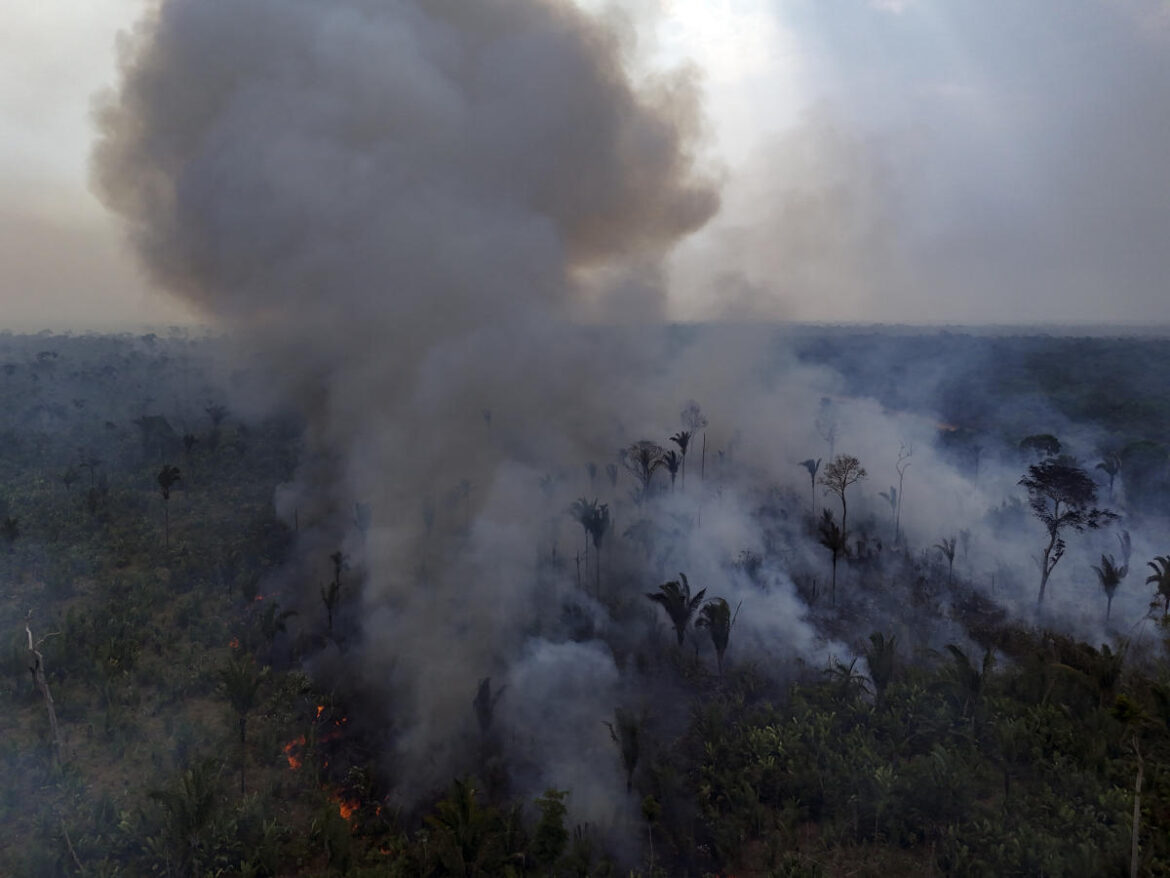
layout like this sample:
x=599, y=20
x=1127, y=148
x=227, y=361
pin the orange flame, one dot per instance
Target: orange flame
x=347, y=808
x=292, y=752
x=234, y=643
x=320, y=710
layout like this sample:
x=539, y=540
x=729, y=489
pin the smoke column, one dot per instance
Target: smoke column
x=403, y=207
x=439, y=227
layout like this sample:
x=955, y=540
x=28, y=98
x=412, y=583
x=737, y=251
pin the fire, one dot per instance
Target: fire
x=258, y=597
x=320, y=710
x=292, y=752
x=234, y=643
x=347, y=808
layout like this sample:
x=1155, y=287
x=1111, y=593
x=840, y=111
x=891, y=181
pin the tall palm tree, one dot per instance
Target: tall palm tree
x=1160, y=578
x=239, y=682
x=167, y=478
x=716, y=617
x=812, y=466
x=672, y=461
x=1110, y=574
x=594, y=520
x=1111, y=466
x=675, y=598
x=642, y=459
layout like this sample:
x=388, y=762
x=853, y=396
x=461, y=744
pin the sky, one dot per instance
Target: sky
x=902, y=161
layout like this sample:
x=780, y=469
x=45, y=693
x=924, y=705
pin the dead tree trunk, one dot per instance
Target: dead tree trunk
x=37, y=668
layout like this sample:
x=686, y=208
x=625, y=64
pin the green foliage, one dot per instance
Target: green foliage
x=550, y=838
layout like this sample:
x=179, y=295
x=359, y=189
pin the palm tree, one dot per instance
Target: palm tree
x=812, y=466
x=967, y=680
x=716, y=617
x=467, y=840
x=1161, y=579
x=833, y=539
x=597, y=525
x=594, y=520
x=240, y=683
x=671, y=460
x=1111, y=466
x=676, y=599
x=683, y=440
x=188, y=809
x=642, y=459
x=167, y=478
x=1110, y=574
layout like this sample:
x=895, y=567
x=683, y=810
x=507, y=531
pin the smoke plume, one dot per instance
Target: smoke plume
x=439, y=226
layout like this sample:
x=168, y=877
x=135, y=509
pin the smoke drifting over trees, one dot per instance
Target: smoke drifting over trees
x=439, y=227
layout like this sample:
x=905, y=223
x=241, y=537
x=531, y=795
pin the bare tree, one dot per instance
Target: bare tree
x=37, y=668
x=903, y=464
x=843, y=471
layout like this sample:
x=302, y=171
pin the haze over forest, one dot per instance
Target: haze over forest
x=502, y=381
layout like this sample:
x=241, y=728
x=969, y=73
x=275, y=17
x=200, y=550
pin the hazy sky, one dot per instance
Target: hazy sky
x=890, y=160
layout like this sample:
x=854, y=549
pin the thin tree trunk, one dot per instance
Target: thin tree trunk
x=1137, y=812
x=243, y=750
x=38, y=672
x=1045, y=568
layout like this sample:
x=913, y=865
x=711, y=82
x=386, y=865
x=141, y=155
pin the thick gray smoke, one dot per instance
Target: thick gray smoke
x=439, y=225
x=402, y=205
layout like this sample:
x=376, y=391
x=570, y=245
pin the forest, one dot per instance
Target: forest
x=922, y=631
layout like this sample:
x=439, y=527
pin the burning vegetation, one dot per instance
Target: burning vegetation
x=498, y=597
